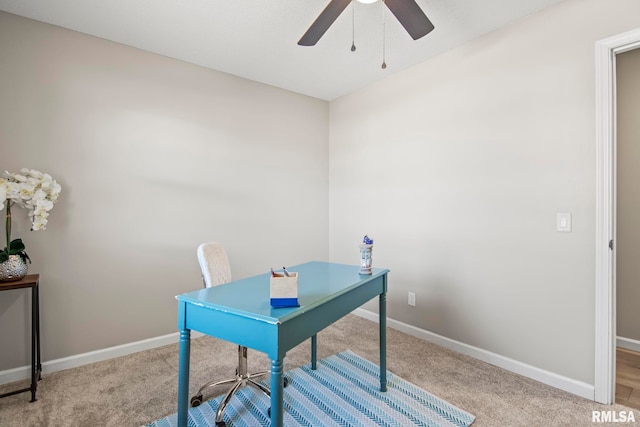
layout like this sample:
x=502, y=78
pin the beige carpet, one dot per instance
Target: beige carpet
x=142, y=387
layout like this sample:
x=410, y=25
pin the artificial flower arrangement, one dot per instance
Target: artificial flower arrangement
x=33, y=190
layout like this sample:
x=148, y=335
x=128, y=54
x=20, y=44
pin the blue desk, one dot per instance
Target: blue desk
x=240, y=312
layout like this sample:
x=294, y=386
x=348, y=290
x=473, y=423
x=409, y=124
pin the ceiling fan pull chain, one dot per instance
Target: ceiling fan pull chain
x=384, y=63
x=353, y=25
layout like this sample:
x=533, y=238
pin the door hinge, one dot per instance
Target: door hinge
x=611, y=244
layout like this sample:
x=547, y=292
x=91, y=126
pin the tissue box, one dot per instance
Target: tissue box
x=284, y=290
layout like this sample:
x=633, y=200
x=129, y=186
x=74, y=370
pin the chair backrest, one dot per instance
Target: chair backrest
x=214, y=263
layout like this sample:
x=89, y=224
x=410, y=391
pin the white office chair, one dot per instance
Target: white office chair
x=217, y=271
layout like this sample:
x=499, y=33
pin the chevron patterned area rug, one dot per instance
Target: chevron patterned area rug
x=343, y=391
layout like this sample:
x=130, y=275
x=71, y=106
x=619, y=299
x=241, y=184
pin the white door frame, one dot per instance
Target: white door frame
x=605, y=328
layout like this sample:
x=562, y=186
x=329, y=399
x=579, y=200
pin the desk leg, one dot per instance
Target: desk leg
x=183, y=377
x=314, y=351
x=383, y=341
x=277, y=393
x=38, y=358
x=34, y=321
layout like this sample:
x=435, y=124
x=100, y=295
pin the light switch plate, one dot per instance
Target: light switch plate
x=564, y=222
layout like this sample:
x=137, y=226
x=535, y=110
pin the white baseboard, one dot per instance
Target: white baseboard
x=628, y=343
x=558, y=381
x=24, y=372
x=572, y=386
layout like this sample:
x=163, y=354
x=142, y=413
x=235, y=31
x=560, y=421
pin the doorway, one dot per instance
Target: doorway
x=605, y=328
x=627, y=237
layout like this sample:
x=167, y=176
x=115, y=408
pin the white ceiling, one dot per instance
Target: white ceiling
x=257, y=39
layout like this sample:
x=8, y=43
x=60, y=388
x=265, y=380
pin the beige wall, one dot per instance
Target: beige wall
x=457, y=168
x=154, y=156
x=628, y=196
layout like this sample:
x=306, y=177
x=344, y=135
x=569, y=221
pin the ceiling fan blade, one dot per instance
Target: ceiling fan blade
x=323, y=22
x=411, y=17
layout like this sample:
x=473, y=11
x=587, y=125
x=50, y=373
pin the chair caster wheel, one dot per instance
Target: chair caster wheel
x=196, y=401
x=221, y=424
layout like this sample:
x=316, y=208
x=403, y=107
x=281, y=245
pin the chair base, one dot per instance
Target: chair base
x=241, y=379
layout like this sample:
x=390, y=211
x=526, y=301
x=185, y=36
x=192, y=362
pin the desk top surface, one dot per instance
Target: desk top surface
x=318, y=282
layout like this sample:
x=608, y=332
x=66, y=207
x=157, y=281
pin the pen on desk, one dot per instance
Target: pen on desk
x=286, y=273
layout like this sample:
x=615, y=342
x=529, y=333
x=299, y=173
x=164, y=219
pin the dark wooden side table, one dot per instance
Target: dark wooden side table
x=30, y=281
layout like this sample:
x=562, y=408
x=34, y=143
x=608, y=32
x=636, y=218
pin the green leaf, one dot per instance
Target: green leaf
x=16, y=246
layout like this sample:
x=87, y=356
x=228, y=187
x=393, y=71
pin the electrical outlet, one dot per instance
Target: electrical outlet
x=412, y=299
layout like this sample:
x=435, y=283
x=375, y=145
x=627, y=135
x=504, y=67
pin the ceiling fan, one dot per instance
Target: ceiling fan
x=407, y=12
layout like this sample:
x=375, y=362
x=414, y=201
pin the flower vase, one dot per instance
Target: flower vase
x=15, y=268
x=365, y=258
